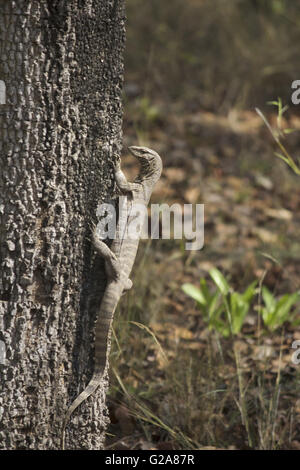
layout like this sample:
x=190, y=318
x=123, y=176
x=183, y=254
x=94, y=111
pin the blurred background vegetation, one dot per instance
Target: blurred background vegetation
x=213, y=54
x=181, y=377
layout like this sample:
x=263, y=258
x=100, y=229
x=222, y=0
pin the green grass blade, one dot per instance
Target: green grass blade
x=195, y=293
x=219, y=280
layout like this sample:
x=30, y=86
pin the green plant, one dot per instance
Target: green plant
x=276, y=312
x=224, y=310
x=220, y=401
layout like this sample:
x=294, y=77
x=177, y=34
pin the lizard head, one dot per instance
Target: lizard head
x=150, y=161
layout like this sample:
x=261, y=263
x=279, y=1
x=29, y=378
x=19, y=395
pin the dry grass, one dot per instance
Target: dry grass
x=190, y=389
x=216, y=54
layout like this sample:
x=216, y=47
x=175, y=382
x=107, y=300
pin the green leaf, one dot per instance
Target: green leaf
x=277, y=312
x=239, y=312
x=204, y=289
x=268, y=299
x=267, y=316
x=219, y=280
x=249, y=292
x=283, y=308
x=195, y=293
x=225, y=331
x=220, y=325
x=215, y=309
x=234, y=303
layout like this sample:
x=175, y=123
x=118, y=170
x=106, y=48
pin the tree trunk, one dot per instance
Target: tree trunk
x=60, y=125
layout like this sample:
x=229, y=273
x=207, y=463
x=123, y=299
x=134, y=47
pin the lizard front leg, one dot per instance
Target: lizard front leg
x=121, y=180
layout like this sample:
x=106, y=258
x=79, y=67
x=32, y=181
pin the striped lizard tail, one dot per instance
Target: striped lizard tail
x=102, y=333
x=89, y=390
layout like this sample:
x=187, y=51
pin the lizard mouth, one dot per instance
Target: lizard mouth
x=136, y=152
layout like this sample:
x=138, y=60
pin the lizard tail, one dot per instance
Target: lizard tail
x=102, y=334
x=89, y=390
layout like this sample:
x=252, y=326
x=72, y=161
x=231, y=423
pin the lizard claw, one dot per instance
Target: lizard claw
x=93, y=228
x=117, y=162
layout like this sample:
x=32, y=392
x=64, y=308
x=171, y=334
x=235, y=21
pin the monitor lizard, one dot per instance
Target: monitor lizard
x=119, y=260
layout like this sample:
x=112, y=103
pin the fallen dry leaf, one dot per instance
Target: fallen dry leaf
x=282, y=214
x=265, y=235
x=263, y=352
x=192, y=195
x=175, y=175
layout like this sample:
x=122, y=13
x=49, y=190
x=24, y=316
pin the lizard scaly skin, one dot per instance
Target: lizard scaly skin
x=119, y=260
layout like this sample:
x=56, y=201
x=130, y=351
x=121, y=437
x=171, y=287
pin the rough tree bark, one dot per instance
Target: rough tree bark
x=60, y=125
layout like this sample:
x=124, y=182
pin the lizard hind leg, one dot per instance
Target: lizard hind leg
x=113, y=267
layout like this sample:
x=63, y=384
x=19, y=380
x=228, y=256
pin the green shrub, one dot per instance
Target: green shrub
x=225, y=310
